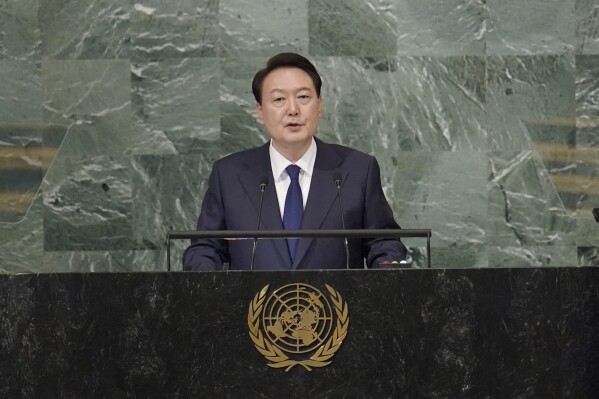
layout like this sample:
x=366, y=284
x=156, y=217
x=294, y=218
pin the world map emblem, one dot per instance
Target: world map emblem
x=298, y=325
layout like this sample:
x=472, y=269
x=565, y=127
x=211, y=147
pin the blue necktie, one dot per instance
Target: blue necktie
x=294, y=207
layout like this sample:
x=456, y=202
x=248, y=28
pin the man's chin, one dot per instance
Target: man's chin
x=294, y=140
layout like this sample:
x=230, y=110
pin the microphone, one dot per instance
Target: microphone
x=338, y=181
x=263, y=184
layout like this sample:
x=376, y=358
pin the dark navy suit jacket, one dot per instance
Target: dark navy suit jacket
x=232, y=202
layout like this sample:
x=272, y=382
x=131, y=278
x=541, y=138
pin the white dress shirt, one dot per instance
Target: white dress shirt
x=278, y=163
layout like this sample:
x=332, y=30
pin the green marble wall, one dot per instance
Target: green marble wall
x=483, y=114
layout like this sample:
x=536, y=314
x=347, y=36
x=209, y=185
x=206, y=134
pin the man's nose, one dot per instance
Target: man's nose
x=292, y=107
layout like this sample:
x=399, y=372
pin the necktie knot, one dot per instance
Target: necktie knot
x=293, y=171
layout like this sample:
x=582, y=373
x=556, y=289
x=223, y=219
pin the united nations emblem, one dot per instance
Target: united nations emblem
x=296, y=325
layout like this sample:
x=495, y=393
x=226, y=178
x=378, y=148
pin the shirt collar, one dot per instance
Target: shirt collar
x=278, y=162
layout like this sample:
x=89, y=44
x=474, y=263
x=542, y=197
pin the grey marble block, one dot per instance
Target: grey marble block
x=539, y=91
x=458, y=256
x=22, y=243
x=87, y=204
x=175, y=104
x=352, y=27
x=91, y=100
x=587, y=101
x=533, y=255
x=20, y=37
x=405, y=103
x=587, y=27
x=240, y=127
x=167, y=195
x=441, y=27
x=362, y=114
x=442, y=104
x=85, y=30
x=430, y=189
x=76, y=89
x=20, y=91
x=524, y=207
x=251, y=28
x=531, y=27
x=180, y=29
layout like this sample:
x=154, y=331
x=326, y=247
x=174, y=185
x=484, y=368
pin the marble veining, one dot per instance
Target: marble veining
x=482, y=114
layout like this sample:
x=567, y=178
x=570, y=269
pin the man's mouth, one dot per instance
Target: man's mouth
x=293, y=124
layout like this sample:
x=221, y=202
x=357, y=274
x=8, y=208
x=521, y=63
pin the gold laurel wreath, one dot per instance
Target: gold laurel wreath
x=276, y=356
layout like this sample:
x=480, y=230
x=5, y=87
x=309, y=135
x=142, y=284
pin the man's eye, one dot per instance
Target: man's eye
x=278, y=99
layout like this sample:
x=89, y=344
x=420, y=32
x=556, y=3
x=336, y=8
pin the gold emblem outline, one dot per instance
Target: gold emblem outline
x=278, y=358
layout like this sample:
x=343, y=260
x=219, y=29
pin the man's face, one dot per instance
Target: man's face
x=290, y=109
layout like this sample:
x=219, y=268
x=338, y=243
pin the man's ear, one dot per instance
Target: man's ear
x=259, y=111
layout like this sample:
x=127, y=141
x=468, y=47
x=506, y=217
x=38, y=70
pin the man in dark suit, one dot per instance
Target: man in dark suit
x=299, y=173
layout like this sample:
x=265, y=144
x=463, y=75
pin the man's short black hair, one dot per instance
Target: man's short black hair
x=285, y=60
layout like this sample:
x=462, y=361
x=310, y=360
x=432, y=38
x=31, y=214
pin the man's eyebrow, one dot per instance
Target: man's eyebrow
x=297, y=90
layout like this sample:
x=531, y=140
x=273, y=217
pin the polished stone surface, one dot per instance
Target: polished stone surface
x=182, y=29
x=500, y=333
x=87, y=204
x=20, y=38
x=101, y=30
x=431, y=28
x=175, y=104
x=537, y=27
x=483, y=116
x=261, y=28
x=587, y=29
x=352, y=28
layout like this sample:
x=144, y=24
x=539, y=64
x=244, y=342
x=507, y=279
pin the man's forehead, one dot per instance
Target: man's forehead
x=283, y=83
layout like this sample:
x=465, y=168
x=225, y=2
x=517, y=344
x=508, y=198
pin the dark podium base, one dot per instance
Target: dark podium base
x=471, y=333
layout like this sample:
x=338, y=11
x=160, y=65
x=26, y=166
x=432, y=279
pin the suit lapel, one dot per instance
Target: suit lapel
x=323, y=194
